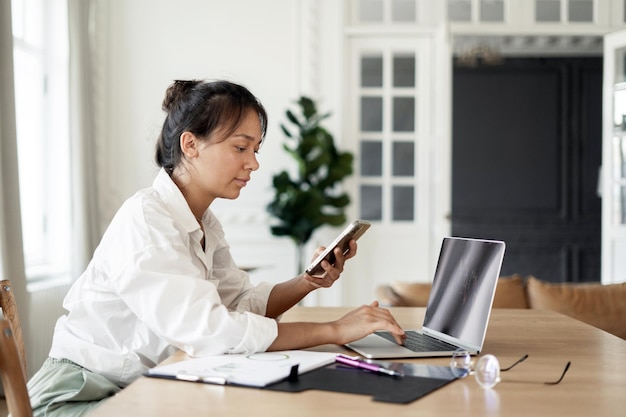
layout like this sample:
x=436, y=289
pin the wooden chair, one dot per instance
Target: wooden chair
x=12, y=373
x=9, y=311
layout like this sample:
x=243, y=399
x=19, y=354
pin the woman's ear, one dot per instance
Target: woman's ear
x=189, y=144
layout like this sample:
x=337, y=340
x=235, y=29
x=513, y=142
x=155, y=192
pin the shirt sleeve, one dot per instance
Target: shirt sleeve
x=166, y=287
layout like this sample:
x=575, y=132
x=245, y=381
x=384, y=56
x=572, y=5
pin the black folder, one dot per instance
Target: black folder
x=418, y=381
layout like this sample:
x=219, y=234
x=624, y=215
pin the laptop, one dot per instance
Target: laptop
x=458, y=307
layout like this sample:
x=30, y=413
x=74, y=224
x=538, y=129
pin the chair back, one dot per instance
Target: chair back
x=9, y=311
x=12, y=374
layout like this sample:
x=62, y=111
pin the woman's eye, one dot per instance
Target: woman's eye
x=241, y=149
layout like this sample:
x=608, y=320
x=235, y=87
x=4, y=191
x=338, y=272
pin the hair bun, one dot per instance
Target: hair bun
x=176, y=92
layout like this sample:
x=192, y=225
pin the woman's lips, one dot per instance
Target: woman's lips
x=242, y=182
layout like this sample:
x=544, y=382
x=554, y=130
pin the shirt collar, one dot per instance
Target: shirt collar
x=173, y=198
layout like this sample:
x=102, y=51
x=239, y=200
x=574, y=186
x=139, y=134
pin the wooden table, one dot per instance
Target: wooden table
x=594, y=386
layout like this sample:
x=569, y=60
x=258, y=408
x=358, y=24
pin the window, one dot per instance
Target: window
x=40, y=44
x=385, y=11
x=546, y=11
x=488, y=10
x=570, y=11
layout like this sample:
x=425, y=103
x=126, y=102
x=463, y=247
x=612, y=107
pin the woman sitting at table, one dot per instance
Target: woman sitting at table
x=163, y=277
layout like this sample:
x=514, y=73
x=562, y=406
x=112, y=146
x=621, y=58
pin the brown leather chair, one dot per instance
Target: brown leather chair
x=12, y=373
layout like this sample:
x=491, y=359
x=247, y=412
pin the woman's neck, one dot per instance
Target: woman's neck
x=196, y=200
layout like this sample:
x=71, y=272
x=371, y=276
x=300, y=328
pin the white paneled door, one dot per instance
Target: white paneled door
x=392, y=112
x=614, y=159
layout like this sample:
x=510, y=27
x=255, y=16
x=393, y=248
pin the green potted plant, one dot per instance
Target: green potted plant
x=313, y=198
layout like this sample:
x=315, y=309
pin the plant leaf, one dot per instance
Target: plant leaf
x=303, y=204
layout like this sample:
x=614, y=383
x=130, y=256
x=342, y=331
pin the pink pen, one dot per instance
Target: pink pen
x=355, y=362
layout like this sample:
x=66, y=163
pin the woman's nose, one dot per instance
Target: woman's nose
x=253, y=163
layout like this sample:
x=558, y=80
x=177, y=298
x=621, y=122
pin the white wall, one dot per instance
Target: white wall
x=146, y=44
x=151, y=43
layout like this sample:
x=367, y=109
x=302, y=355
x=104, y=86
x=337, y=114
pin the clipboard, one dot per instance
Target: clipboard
x=253, y=370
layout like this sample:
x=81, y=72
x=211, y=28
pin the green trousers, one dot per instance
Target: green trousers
x=63, y=388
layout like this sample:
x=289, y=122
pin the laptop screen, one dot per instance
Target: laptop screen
x=463, y=288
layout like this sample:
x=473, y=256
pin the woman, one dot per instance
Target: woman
x=163, y=277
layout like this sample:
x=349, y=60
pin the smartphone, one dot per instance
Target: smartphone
x=354, y=231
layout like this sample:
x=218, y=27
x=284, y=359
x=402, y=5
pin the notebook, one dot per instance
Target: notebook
x=458, y=307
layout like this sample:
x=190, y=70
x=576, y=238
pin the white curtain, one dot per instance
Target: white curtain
x=86, y=230
x=11, y=249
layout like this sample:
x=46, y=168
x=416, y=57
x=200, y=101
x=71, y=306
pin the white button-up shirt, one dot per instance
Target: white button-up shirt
x=151, y=289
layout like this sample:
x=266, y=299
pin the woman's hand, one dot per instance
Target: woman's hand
x=365, y=320
x=355, y=325
x=331, y=272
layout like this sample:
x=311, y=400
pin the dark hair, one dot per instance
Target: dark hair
x=202, y=107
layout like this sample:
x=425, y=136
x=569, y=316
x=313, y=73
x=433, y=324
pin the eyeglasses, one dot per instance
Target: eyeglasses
x=487, y=369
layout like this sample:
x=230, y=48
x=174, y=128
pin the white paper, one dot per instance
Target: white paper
x=256, y=369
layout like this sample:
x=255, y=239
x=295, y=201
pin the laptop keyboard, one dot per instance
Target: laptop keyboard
x=419, y=342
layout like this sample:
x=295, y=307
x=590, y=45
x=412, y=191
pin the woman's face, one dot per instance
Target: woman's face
x=221, y=169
